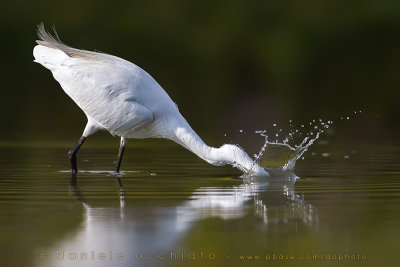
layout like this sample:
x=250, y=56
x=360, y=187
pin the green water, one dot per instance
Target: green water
x=173, y=209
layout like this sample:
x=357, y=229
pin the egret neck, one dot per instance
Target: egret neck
x=226, y=154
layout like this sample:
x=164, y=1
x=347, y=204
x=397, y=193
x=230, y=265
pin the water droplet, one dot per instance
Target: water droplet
x=241, y=131
x=153, y=174
x=302, y=126
x=348, y=118
x=274, y=124
x=346, y=156
x=325, y=154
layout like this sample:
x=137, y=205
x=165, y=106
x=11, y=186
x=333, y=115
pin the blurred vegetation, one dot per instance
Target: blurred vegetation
x=227, y=64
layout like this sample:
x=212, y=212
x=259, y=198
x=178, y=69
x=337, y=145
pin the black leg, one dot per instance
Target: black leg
x=120, y=154
x=72, y=154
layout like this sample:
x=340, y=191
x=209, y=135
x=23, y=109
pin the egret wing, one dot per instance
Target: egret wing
x=133, y=118
x=106, y=89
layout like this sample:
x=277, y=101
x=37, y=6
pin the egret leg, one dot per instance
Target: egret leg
x=120, y=153
x=72, y=154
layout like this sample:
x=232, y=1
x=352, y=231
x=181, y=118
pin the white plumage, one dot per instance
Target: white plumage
x=120, y=97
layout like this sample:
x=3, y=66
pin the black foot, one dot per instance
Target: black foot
x=72, y=161
x=72, y=154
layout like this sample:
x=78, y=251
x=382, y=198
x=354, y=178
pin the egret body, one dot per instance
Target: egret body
x=123, y=99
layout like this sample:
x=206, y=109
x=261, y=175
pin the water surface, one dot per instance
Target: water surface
x=169, y=208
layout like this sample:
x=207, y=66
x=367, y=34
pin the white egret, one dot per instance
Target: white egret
x=120, y=97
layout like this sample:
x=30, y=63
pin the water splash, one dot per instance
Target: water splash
x=279, y=153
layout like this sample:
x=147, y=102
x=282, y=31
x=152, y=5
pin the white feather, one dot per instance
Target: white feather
x=120, y=97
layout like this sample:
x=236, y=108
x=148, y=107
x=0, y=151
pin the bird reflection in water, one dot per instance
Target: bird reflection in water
x=131, y=229
x=273, y=199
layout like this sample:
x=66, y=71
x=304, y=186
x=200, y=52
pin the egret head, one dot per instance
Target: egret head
x=237, y=157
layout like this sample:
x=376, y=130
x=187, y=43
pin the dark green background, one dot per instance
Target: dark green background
x=228, y=65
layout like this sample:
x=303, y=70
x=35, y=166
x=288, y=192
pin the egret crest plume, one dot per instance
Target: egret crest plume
x=48, y=40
